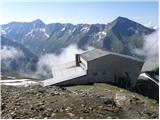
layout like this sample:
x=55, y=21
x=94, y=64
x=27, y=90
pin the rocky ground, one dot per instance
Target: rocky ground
x=89, y=101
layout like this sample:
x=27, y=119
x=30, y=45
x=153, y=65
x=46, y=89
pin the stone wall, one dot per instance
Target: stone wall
x=114, y=68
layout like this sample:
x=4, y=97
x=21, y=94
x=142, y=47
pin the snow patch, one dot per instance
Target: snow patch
x=31, y=32
x=6, y=28
x=63, y=29
x=46, y=35
x=3, y=31
x=85, y=29
x=19, y=82
x=9, y=30
x=73, y=29
x=70, y=32
x=101, y=35
x=42, y=30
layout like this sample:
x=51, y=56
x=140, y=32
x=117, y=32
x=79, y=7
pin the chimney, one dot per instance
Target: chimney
x=77, y=59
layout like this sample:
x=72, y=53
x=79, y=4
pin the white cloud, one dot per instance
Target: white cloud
x=8, y=52
x=150, y=51
x=48, y=61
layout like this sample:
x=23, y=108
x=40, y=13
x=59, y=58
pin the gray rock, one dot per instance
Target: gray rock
x=71, y=114
x=68, y=109
x=53, y=114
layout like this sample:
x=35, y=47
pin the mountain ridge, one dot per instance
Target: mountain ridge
x=121, y=35
x=39, y=20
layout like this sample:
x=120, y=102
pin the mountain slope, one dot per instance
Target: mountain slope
x=125, y=35
x=15, y=58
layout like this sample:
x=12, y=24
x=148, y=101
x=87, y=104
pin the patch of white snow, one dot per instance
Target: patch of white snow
x=63, y=29
x=101, y=35
x=85, y=29
x=46, y=35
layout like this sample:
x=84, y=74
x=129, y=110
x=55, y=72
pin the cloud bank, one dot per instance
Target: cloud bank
x=48, y=61
x=150, y=51
x=8, y=52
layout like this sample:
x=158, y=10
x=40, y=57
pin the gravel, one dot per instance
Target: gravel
x=79, y=102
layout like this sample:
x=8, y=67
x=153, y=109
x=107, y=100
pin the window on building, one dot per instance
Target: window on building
x=95, y=73
x=104, y=73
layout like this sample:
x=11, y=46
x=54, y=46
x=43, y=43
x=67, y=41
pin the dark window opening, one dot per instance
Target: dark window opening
x=95, y=74
x=103, y=73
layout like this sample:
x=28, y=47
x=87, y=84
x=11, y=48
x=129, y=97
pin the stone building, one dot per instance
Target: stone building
x=98, y=66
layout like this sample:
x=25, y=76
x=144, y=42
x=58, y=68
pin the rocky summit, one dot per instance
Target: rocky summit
x=87, y=101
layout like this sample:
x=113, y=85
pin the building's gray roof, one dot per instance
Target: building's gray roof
x=93, y=54
x=97, y=53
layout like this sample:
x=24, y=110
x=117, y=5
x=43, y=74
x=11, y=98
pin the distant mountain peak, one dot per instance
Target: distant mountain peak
x=121, y=18
x=38, y=23
x=123, y=21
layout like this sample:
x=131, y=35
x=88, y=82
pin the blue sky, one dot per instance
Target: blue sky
x=145, y=12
